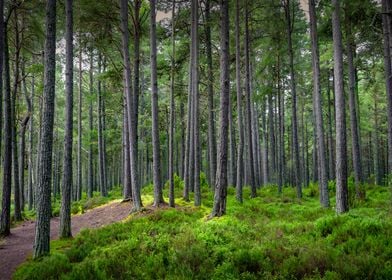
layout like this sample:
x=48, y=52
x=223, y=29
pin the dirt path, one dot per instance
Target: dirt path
x=19, y=245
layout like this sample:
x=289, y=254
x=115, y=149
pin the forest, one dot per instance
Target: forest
x=196, y=139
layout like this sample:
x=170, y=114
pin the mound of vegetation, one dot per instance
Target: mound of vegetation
x=273, y=236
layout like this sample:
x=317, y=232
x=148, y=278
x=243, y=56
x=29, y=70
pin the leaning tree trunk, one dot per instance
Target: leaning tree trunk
x=65, y=213
x=42, y=226
x=158, y=198
x=341, y=146
x=240, y=147
x=317, y=108
x=219, y=207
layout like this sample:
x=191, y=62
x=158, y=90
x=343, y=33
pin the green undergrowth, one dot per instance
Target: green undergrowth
x=77, y=207
x=273, y=236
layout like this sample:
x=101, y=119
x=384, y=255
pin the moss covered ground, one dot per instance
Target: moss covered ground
x=273, y=236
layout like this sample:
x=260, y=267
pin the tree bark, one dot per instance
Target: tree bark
x=79, y=151
x=317, y=108
x=101, y=149
x=42, y=228
x=90, y=183
x=219, y=207
x=137, y=202
x=341, y=146
x=195, y=93
x=355, y=135
x=240, y=147
x=5, y=221
x=172, y=111
x=211, y=107
x=65, y=213
x=387, y=36
x=294, y=126
x=248, y=103
x=158, y=198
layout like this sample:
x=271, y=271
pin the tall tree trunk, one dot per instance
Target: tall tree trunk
x=101, y=152
x=317, y=108
x=65, y=214
x=387, y=28
x=271, y=135
x=331, y=161
x=1, y=72
x=158, y=198
x=90, y=183
x=294, y=126
x=30, y=188
x=219, y=207
x=211, y=107
x=172, y=110
x=341, y=146
x=137, y=202
x=376, y=143
x=15, y=161
x=240, y=147
x=355, y=135
x=248, y=103
x=5, y=221
x=79, y=152
x=195, y=93
x=136, y=69
x=42, y=226
x=126, y=164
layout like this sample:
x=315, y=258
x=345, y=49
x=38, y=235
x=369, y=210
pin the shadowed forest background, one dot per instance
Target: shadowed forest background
x=248, y=139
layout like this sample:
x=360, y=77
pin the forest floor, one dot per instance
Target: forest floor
x=273, y=236
x=15, y=249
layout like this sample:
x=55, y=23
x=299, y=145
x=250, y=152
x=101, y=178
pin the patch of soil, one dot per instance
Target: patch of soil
x=15, y=248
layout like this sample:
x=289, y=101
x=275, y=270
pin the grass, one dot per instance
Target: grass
x=273, y=236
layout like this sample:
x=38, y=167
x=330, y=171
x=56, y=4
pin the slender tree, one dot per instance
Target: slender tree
x=65, y=213
x=293, y=86
x=387, y=36
x=137, y=202
x=248, y=103
x=210, y=89
x=341, y=146
x=317, y=108
x=219, y=207
x=90, y=183
x=195, y=93
x=240, y=147
x=355, y=135
x=80, y=102
x=42, y=226
x=172, y=110
x=158, y=198
x=5, y=221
